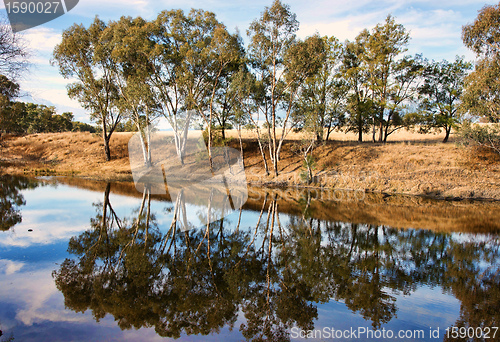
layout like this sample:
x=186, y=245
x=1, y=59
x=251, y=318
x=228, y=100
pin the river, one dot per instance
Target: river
x=94, y=261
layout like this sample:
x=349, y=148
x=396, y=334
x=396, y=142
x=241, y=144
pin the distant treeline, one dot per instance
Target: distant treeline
x=21, y=118
x=28, y=118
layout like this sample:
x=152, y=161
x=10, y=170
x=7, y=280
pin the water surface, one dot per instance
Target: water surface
x=92, y=261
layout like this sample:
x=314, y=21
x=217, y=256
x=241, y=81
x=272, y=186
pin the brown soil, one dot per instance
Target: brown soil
x=414, y=165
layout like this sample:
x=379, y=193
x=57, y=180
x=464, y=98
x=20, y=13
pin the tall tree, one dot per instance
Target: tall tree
x=8, y=88
x=229, y=53
x=223, y=58
x=127, y=41
x=441, y=92
x=323, y=96
x=82, y=55
x=14, y=52
x=187, y=56
x=8, y=91
x=407, y=76
x=482, y=87
x=281, y=64
x=383, y=45
x=359, y=104
x=483, y=35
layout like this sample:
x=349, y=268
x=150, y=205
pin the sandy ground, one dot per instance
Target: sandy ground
x=409, y=163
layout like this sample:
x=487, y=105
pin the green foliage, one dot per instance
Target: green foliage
x=22, y=118
x=322, y=101
x=480, y=135
x=359, y=105
x=8, y=88
x=441, y=93
x=361, y=112
x=138, y=69
x=217, y=139
x=280, y=64
x=480, y=97
x=383, y=45
x=482, y=87
x=309, y=164
x=83, y=127
x=483, y=35
x=84, y=54
x=127, y=126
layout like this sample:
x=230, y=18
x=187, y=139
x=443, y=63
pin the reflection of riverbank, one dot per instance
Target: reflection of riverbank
x=355, y=206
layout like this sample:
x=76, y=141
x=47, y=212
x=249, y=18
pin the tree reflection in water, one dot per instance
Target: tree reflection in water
x=198, y=281
x=11, y=199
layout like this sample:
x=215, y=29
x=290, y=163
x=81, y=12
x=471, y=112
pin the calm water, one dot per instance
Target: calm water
x=88, y=261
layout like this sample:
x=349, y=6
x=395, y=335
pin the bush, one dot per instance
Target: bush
x=83, y=127
x=480, y=135
x=217, y=140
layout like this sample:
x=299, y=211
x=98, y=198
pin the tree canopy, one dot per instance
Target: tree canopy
x=481, y=95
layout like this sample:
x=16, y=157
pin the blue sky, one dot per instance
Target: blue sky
x=435, y=29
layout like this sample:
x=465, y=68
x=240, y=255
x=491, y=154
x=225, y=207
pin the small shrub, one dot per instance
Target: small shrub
x=480, y=136
x=309, y=164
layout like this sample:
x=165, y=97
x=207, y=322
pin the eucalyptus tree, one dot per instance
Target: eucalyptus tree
x=187, y=57
x=482, y=87
x=281, y=63
x=81, y=55
x=249, y=94
x=407, y=77
x=8, y=90
x=383, y=46
x=127, y=42
x=225, y=55
x=230, y=55
x=14, y=52
x=359, y=103
x=322, y=100
x=441, y=93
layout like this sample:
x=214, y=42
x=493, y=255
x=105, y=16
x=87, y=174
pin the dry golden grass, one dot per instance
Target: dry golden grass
x=416, y=164
x=398, y=136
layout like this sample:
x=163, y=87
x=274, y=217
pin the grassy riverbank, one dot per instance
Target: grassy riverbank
x=411, y=164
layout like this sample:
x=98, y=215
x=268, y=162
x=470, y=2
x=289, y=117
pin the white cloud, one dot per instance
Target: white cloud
x=59, y=230
x=37, y=298
x=10, y=267
x=57, y=96
x=42, y=39
x=435, y=32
